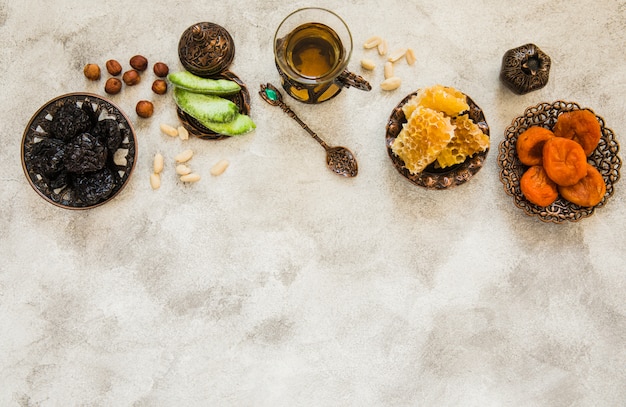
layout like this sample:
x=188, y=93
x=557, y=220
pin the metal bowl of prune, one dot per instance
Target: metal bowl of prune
x=78, y=151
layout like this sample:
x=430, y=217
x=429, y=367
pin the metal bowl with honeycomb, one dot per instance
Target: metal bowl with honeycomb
x=434, y=177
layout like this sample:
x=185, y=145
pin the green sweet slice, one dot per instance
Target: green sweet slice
x=241, y=124
x=205, y=108
x=207, y=86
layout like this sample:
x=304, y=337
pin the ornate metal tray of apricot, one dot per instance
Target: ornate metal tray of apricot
x=433, y=177
x=78, y=151
x=604, y=158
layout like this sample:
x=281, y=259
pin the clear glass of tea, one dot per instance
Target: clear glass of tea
x=312, y=48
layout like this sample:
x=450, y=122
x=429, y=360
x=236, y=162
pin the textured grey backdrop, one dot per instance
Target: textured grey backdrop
x=281, y=284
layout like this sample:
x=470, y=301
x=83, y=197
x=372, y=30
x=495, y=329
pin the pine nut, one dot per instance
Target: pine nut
x=391, y=83
x=184, y=156
x=192, y=177
x=169, y=130
x=388, y=70
x=410, y=56
x=397, y=54
x=219, y=168
x=183, y=133
x=157, y=165
x=155, y=181
x=182, y=169
x=372, y=42
x=382, y=47
x=368, y=64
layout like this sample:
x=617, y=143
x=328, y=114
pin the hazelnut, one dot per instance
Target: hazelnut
x=139, y=62
x=92, y=72
x=113, y=86
x=159, y=87
x=161, y=69
x=113, y=67
x=144, y=109
x=131, y=77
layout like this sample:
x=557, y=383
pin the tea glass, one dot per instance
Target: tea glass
x=312, y=48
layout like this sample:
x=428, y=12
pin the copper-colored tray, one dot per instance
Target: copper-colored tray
x=241, y=99
x=604, y=158
x=432, y=177
x=38, y=128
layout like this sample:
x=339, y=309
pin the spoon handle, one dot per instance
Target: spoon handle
x=273, y=96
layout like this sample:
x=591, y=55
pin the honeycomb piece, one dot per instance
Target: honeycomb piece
x=422, y=138
x=409, y=107
x=468, y=140
x=441, y=98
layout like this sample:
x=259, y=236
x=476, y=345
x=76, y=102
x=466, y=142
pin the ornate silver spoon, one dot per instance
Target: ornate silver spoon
x=339, y=159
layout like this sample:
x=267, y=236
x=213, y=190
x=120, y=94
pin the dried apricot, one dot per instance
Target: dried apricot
x=537, y=187
x=582, y=126
x=530, y=143
x=589, y=191
x=564, y=160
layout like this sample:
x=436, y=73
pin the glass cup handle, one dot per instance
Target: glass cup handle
x=349, y=79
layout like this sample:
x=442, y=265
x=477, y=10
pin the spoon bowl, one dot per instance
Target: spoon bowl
x=341, y=161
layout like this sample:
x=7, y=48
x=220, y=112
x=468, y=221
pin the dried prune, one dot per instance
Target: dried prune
x=94, y=187
x=47, y=157
x=109, y=134
x=60, y=181
x=85, y=154
x=92, y=114
x=68, y=122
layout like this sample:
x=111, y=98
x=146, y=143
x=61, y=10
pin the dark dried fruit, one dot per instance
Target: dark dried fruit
x=94, y=187
x=108, y=133
x=68, y=122
x=85, y=154
x=47, y=157
x=91, y=113
x=60, y=181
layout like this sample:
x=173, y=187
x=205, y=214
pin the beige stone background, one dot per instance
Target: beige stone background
x=282, y=284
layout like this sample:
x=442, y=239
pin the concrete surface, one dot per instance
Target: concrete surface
x=282, y=284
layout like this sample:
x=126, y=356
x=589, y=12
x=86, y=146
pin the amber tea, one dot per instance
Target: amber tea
x=313, y=50
x=312, y=47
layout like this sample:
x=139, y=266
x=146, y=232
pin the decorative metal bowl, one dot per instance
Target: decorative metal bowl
x=38, y=128
x=434, y=177
x=207, y=49
x=525, y=69
x=604, y=158
x=241, y=99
